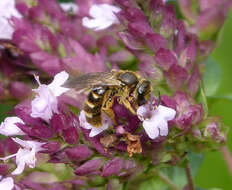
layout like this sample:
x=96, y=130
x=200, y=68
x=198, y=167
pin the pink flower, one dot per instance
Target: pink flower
x=9, y=128
x=6, y=183
x=106, y=122
x=45, y=102
x=7, y=10
x=155, y=121
x=25, y=155
x=102, y=17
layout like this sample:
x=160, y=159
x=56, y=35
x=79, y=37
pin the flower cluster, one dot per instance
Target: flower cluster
x=48, y=130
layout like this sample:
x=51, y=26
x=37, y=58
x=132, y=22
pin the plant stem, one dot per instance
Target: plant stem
x=167, y=180
x=228, y=158
x=189, y=177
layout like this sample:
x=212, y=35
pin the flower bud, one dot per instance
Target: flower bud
x=89, y=167
x=19, y=90
x=78, y=153
x=70, y=135
x=112, y=167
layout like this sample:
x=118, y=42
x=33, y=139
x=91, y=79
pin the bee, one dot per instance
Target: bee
x=130, y=89
x=11, y=50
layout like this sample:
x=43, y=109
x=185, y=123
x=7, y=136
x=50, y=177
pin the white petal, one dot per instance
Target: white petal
x=102, y=17
x=9, y=128
x=7, y=183
x=166, y=112
x=19, y=169
x=97, y=130
x=69, y=7
x=83, y=123
x=163, y=127
x=59, y=80
x=151, y=129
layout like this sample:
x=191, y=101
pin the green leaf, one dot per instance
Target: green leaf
x=195, y=161
x=153, y=184
x=4, y=109
x=211, y=77
x=176, y=175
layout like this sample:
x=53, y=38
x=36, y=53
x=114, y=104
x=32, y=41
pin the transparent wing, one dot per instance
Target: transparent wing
x=89, y=80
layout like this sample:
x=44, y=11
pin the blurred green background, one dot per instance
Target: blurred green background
x=214, y=172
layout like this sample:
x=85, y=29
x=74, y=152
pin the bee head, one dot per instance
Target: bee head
x=143, y=92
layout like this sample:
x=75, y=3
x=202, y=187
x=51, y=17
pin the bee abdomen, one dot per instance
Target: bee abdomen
x=93, y=105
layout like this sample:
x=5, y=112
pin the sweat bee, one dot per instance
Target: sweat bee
x=128, y=87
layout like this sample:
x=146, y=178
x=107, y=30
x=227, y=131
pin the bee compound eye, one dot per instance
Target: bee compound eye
x=144, y=88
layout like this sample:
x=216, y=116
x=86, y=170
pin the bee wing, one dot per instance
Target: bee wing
x=87, y=81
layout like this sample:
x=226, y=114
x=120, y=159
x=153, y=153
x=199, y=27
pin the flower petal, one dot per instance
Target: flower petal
x=59, y=80
x=151, y=129
x=19, y=169
x=168, y=113
x=9, y=128
x=7, y=183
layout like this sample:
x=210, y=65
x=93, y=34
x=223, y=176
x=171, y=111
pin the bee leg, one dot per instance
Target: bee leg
x=110, y=113
x=127, y=104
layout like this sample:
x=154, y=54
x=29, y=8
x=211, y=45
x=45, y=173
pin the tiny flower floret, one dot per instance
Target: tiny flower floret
x=155, y=120
x=45, y=102
x=9, y=128
x=69, y=7
x=25, y=155
x=7, y=10
x=103, y=16
x=106, y=122
x=6, y=183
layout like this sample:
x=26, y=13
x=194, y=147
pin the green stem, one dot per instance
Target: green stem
x=189, y=177
x=228, y=158
x=166, y=180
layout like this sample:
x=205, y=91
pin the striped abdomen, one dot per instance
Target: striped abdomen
x=93, y=105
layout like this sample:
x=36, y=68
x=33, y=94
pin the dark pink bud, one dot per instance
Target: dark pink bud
x=180, y=37
x=139, y=29
x=22, y=7
x=130, y=41
x=2, y=148
x=193, y=83
x=165, y=58
x=156, y=41
x=57, y=123
x=176, y=76
x=88, y=167
x=107, y=41
x=19, y=90
x=134, y=15
x=11, y=146
x=41, y=131
x=95, y=141
x=3, y=169
x=51, y=147
x=112, y=167
x=188, y=56
x=78, y=153
x=169, y=102
x=70, y=135
x=23, y=111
